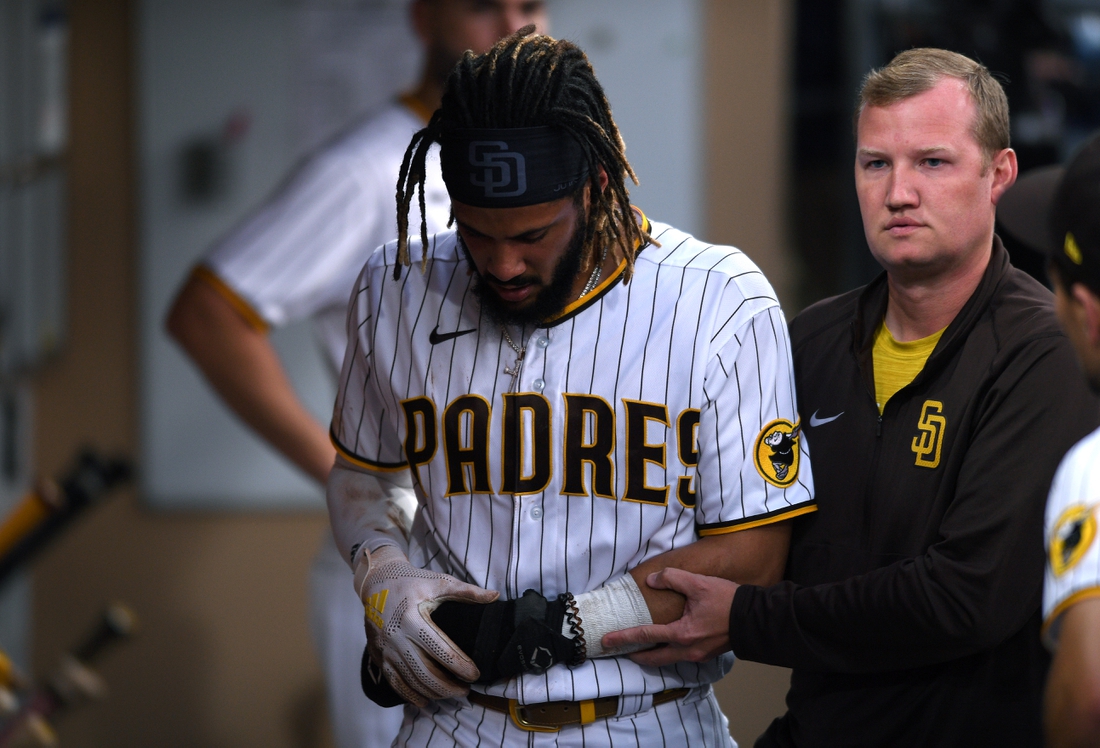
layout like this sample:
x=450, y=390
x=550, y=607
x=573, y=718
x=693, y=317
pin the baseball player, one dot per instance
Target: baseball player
x=297, y=257
x=539, y=408
x=1054, y=210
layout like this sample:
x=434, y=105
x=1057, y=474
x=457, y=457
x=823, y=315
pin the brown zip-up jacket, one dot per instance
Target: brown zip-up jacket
x=911, y=614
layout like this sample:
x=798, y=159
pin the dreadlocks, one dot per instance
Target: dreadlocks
x=529, y=80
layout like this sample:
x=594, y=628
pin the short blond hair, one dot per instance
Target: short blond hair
x=918, y=70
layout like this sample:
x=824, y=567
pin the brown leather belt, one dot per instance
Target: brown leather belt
x=550, y=716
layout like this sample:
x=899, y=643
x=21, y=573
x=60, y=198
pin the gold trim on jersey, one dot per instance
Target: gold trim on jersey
x=1065, y=605
x=583, y=302
x=247, y=311
x=724, y=528
x=354, y=459
x=602, y=287
x=1071, y=537
x=414, y=105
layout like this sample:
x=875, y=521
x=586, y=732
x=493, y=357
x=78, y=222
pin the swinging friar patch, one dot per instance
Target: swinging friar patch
x=777, y=452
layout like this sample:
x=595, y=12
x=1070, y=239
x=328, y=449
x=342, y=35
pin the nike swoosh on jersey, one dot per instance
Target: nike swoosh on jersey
x=438, y=337
x=815, y=421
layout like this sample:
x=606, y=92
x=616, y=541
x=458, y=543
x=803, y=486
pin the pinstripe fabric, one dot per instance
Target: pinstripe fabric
x=298, y=255
x=698, y=328
x=1076, y=487
x=694, y=720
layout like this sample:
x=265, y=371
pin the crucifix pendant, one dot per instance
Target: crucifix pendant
x=514, y=372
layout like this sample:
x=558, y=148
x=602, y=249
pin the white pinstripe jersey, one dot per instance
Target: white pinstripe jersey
x=297, y=257
x=591, y=466
x=1073, y=550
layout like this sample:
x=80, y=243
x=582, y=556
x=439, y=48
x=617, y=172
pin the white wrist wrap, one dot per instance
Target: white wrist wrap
x=617, y=605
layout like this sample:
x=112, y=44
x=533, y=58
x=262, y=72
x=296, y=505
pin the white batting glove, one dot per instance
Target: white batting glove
x=416, y=657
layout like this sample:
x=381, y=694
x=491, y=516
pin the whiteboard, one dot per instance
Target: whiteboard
x=291, y=70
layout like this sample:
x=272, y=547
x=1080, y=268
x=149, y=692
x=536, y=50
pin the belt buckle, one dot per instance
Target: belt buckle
x=514, y=708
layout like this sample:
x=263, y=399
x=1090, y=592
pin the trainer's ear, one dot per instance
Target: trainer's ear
x=1004, y=169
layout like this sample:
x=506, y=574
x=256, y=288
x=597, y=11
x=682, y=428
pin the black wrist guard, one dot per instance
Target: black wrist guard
x=509, y=637
x=374, y=683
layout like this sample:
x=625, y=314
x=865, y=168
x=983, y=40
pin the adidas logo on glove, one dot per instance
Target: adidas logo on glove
x=376, y=605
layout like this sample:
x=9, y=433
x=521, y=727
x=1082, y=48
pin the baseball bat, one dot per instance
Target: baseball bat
x=72, y=683
x=50, y=507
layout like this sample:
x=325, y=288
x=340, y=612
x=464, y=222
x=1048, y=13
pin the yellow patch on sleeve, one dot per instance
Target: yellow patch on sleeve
x=1071, y=537
x=776, y=452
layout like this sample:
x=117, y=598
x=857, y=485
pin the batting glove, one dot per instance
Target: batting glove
x=417, y=658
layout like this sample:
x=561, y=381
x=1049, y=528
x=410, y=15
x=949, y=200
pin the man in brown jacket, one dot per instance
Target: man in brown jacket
x=940, y=399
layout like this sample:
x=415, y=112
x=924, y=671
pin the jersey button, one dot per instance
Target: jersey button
x=536, y=512
x=543, y=342
x=538, y=384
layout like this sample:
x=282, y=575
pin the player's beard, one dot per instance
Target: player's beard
x=549, y=299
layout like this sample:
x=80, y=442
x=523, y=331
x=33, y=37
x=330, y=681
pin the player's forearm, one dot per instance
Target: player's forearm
x=369, y=509
x=1071, y=718
x=755, y=556
x=1072, y=699
x=241, y=365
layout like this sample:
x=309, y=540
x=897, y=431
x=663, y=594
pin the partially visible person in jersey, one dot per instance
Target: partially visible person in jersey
x=1057, y=210
x=539, y=408
x=296, y=257
x=940, y=398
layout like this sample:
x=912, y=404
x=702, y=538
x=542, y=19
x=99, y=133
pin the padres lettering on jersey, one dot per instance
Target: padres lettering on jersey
x=465, y=427
x=632, y=430
x=1073, y=551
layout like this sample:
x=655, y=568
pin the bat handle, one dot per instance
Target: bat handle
x=118, y=622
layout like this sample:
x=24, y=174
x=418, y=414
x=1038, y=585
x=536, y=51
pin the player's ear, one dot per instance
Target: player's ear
x=1089, y=315
x=602, y=179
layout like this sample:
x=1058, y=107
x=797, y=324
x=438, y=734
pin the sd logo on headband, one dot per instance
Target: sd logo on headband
x=497, y=164
x=510, y=167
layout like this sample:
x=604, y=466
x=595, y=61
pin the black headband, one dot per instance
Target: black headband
x=509, y=168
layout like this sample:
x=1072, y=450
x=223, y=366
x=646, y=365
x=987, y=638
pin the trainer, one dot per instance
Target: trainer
x=940, y=399
x=562, y=396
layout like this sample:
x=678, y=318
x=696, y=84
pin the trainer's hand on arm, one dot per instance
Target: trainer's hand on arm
x=754, y=556
x=689, y=592
x=420, y=662
x=701, y=634
x=240, y=363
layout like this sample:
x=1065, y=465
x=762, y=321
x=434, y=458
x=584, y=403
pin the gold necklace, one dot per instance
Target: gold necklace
x=517, y=367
